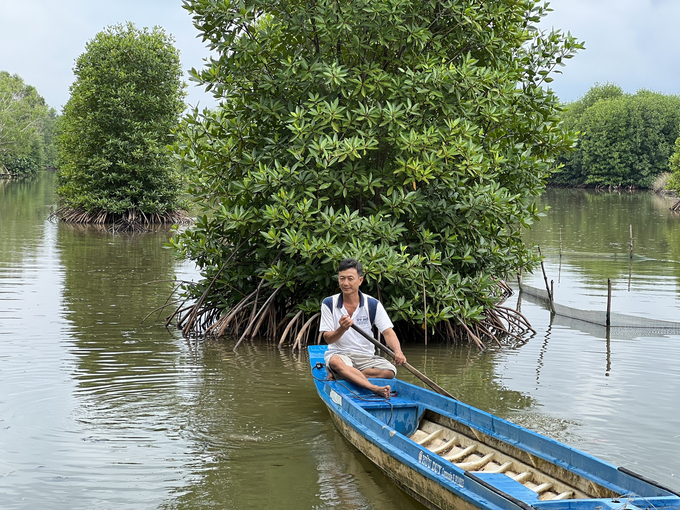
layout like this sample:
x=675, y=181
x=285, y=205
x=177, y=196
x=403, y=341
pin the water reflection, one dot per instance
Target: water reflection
x=36, y=402
x=24, y=204
x=469, y=375
x=111, y=282
x=131, y=378
x=98, y=410
x=617, y=395
x=595, y=232
x=616, y=379
x=544, y=348
x=267, y=441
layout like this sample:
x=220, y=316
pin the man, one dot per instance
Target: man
x=350, y=356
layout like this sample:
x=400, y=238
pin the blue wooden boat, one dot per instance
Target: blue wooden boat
x=447, y=454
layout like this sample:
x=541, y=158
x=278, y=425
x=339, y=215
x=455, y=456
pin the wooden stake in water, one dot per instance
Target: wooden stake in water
x=609, y=301
x=545, y=279
x=631, y=241
x=560, y=242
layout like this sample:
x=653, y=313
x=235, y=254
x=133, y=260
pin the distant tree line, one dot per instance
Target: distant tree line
x=674, y=181
x=27, y=128
x=623, y=139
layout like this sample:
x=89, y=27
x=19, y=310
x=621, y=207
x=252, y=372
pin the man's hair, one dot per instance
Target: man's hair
x=351, y=264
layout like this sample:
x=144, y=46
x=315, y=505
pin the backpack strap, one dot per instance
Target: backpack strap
x=372, y=309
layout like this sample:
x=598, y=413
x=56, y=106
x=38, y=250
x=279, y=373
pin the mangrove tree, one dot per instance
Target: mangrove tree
x=114, y=166
x=411, y=135
x=624, y=139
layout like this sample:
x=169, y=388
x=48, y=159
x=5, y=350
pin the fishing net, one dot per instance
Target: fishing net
x=599, y=318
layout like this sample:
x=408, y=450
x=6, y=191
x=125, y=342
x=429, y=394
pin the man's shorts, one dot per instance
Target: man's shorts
x=362, y=361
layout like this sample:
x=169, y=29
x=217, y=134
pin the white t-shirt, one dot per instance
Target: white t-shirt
x=352, y=341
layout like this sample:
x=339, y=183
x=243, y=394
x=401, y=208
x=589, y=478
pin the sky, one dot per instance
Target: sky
x=634, y=43
x=41, y=39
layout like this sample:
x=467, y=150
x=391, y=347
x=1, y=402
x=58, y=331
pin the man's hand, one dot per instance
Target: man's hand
x=346, y=322
x=333, y=336
x=399, y=358
x=393, y=343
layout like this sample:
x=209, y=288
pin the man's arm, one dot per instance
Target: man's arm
x=393, y=343
x=333, y=336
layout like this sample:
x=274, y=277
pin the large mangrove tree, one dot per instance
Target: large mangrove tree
x=412, y=135
x=114, y=165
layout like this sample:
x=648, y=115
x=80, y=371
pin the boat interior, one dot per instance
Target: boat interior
x=475, y=452
x=501, y=464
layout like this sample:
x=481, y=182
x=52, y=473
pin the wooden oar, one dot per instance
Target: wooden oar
x=407, y=366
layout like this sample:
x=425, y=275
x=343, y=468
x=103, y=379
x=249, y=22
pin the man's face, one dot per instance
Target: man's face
x=349, y=280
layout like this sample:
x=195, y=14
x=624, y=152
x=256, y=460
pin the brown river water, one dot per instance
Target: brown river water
x=101, y=410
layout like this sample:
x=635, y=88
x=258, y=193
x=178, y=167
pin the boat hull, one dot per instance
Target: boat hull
x=421, y=488
x=449, y=455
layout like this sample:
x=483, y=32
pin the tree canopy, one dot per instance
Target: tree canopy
x=624, y=138
x=411, y=135
x=26, y=127
x=126, y=99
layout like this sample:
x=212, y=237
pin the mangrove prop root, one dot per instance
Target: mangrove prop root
x=192, y=317
x=219, y=327
x=290, y=325
x=264, y=315
x=129, y=221
x=304, y=331
x=279, y=322
x=254, y=317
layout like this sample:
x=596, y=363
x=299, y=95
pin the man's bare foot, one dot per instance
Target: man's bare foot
x=382, y=391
